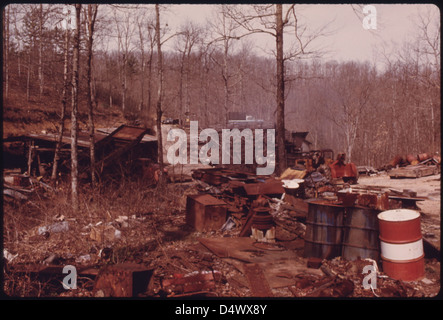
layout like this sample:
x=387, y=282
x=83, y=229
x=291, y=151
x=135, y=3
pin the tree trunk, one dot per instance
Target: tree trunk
x=225, y=81
x=6, y=15
x=63, y=111
x=150, y=80
x=74, y=124
x=280, y=132
x=180, y=90
x=142, y=51
x=92, y=14
x=28, y=79
x=159, y=96
x=40, y=53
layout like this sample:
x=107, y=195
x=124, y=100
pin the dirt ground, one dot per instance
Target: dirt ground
x=428, y=187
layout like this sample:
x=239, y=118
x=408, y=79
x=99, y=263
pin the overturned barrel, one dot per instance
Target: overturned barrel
x=324, y=222
x=360, y=234
x=401, y=244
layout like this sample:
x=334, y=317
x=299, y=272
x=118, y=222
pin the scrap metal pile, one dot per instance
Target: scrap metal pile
x=243, y=235
x=339, y=223
x=414, y=166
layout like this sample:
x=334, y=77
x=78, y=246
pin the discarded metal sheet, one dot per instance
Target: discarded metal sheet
x=268, y=187
x=205, y=212
x=243, y=249
x=257, y=282
x=129, y=133
x=283, y=273
x=123, y=280
x=407, y=202
x=83, y=139
x=192, y=282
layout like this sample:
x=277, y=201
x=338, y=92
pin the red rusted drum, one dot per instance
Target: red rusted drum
x=423, y=157
x=399, y=226
x=401, y=244
x=411, y=158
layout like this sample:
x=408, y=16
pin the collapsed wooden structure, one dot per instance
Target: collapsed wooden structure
x=121, y=147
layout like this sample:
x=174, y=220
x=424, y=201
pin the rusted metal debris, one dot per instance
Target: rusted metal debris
x=122, y=280
x=198, y=281
x=257, y=281
x=205, y=212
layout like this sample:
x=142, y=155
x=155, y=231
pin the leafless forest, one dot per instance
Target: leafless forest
x=213, y=69
x=76, y=69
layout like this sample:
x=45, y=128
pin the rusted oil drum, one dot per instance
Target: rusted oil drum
x=360, y=234
x=262, y=220
x=324, y=223
x=411, y=158
x=423, y=157
x=401, y=244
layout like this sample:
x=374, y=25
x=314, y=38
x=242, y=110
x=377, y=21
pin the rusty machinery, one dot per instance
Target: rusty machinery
x=312, y=160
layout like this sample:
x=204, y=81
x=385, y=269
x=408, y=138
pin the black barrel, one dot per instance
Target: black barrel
x=324, y=223
x=360, y=234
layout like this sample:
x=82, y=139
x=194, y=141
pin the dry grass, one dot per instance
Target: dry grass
x=155, y=218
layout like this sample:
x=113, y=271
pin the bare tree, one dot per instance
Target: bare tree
x=187, y=39
x=6, y=22
x=74, y=122
x=64, y=101
x=159, y=93
x=92, y=10
x=125, y=31
x=271, y=20
x=40, y=50
x=353, y=85
x=225, y=29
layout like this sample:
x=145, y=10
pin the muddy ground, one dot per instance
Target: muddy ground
x=427, y=187
x=147, y=226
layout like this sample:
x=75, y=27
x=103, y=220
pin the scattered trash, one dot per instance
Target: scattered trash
x=103, y=233
x=8, y=256
x=83, y=259
x=54, y=228
x=229, y=225
x=14, y=194
x=122, y=280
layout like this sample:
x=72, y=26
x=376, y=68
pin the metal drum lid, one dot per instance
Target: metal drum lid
x=399, y=226
x=398, y=215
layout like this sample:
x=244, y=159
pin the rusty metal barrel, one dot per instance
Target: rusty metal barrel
x=323, y=236
x=401, y=244
x=360, y=234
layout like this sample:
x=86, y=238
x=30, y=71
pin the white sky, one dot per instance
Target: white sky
x=350, y=40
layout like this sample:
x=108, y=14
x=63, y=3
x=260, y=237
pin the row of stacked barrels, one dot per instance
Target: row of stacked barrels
x=392, y=236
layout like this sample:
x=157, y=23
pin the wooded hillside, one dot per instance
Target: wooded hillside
x=368, y=112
